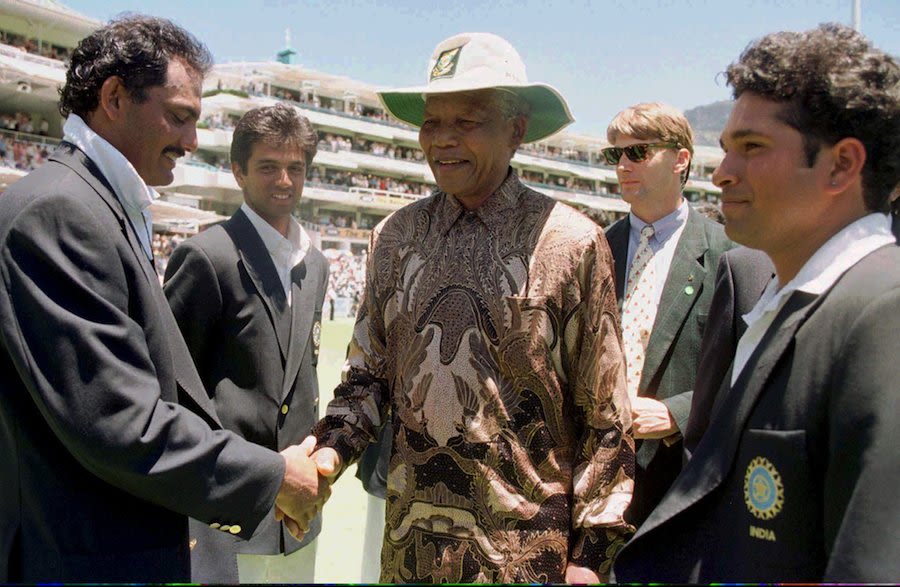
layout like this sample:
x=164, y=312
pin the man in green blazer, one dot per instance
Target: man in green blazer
x=664, y=283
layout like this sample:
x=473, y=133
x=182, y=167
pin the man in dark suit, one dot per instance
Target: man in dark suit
x=109, y=439
x=248, y=297
x=796, y=477
x=663, y=287
x=741, y=278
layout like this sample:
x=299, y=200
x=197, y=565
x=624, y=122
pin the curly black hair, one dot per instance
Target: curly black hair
x=279, y=125
x=835, y=85
x=137, y=49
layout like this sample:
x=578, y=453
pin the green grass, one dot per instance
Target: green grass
x=339, y=551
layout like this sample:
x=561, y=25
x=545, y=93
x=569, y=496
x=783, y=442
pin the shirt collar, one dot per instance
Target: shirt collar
x=494, y=211
x=821, y=271
x=118, y=171
x=275, y=243
x=663, y=228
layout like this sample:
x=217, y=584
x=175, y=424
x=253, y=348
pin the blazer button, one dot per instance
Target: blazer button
x=235, y=529
x=284, y=409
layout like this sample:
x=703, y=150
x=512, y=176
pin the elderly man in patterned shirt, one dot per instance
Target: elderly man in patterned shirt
x=489, y=335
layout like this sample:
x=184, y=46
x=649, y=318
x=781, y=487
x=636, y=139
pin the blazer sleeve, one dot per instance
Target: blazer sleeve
x=70, y=287
x=195, y=296
x=862, y=472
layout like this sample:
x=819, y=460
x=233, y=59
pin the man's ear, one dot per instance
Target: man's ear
x=682, y=161
x=520, y=127
x=113, y=96
x=848, y=158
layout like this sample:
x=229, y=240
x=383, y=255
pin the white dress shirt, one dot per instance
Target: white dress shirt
x=841, y=252
x=286, y=253
x=667, y=232
x=135, y=195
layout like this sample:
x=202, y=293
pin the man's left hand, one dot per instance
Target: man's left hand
x=576, y=575
x=652, y=418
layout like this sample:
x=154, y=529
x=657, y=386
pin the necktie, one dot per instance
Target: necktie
x=638, y=311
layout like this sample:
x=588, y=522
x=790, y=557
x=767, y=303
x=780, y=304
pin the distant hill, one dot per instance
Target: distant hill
x=708, y=121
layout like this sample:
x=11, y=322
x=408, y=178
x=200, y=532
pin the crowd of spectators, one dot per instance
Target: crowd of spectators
x=220, y=162
x=23, y=123
x=218, y=120
x=347, y=279
x=336, y=177
x=22, y=154
x=334, y=143
x=552, y=152
x=34, y=46
x=563, y=183
x=163, y=245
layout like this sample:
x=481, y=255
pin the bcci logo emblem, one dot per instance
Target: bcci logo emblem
x=763, y=491
x=445, y=66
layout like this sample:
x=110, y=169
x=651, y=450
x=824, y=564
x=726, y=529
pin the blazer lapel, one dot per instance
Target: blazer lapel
x=617, y=236
x=73, y=158
x=680, y=292
x=262, y=272
x=303, y=302
x=713, y=457
x=185, y=372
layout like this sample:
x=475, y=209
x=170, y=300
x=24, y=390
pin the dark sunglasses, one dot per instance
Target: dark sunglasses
x=636, y=153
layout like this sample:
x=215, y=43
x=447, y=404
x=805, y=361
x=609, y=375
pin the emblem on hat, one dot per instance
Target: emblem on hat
x=445, y=65
x=763, y=490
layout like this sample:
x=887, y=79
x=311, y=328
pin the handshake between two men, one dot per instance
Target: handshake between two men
x=308, y=476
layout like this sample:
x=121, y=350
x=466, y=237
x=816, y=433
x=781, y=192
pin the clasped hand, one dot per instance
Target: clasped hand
x=308, y=476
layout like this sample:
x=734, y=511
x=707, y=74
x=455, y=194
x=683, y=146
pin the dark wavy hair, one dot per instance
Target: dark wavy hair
x=279, y=126
x=135, y=48
x=834, y=85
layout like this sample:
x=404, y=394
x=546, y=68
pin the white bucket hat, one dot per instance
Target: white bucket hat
x=479, y=61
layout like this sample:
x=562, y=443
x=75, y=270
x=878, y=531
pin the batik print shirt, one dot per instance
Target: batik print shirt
x=491, y=339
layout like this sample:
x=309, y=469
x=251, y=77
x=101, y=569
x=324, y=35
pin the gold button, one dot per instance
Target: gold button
x=215, y=525
x=225, y=528
x=284, y=409
x=235, y=529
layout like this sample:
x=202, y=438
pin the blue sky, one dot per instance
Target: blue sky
x=602, y=55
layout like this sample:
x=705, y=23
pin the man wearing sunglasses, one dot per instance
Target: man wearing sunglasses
x=665, y=256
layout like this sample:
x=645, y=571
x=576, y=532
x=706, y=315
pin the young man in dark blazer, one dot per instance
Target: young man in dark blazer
x=108, y=437
x=247, y=295
x=796, y=476
x=664, y=303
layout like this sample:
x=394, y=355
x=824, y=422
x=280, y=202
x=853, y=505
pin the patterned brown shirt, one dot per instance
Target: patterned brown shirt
x=492, y=337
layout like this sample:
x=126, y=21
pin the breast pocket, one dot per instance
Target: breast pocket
x=778, y=505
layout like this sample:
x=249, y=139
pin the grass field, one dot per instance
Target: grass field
x=339, y=552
